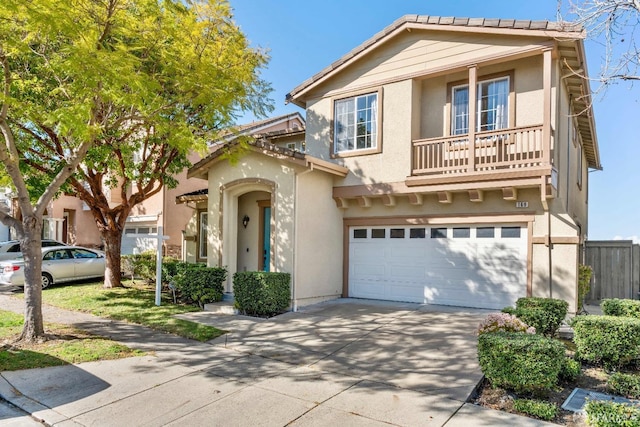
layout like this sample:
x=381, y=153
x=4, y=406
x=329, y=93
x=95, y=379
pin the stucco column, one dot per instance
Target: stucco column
x=473, y=88
x=546, y=118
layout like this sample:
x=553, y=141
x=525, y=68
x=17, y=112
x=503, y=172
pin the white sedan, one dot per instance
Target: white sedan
x=59, y=264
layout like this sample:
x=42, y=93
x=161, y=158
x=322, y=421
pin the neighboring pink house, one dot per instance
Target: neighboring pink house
x=69, y=220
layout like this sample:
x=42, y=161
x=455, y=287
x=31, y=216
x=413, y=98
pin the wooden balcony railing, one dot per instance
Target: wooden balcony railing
x=494, y=150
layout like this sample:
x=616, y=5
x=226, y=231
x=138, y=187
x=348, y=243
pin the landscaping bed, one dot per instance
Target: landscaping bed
x=591, y=378
x=531, y=372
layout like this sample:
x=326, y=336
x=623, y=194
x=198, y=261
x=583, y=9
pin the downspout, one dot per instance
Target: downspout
x=295, y=236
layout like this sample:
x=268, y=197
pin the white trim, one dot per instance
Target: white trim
x=143, y=218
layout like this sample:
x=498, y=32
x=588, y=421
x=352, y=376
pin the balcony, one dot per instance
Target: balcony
x=495, y=150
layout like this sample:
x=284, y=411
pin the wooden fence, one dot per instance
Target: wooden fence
x=616, y=269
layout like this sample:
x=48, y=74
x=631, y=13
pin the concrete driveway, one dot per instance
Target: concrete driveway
x=345, y=362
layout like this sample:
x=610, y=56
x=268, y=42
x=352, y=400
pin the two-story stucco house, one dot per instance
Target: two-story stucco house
x=446, y=162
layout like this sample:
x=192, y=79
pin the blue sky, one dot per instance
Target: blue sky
x=304, y=37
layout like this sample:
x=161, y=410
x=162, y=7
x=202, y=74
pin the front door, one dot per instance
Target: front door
x=265, y=227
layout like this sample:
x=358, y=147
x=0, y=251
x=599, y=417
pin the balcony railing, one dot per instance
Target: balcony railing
x=494, y=150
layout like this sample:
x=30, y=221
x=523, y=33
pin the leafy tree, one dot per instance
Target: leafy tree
x=112, y=94
x=167, y=77
x=614, y=24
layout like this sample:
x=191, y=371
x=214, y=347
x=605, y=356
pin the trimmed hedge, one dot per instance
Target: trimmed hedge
x=536, y=408
x=544, y=314
x=199, y=284
x=627, y=385
x=621, y=307
x=607, y=340
x=259, y=293
x=570, y=369
x=607, y=414
x=520, y=362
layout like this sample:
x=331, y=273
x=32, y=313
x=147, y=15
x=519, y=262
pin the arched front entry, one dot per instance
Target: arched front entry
x=247, y=222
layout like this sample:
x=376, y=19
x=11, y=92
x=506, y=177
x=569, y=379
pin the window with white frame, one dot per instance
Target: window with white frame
x=356, y=123
x=492, y=106
x=202, y=241
x=297, y=146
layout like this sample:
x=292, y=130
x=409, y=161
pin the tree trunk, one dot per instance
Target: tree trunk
x=112, y=247
x=30, y=242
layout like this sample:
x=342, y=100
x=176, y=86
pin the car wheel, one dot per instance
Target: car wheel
x=47, y=280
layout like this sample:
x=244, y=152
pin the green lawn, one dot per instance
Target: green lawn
x=65, y=345
x=134, y=303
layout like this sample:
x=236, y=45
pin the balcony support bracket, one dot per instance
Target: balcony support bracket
x=415, y=199
x=476, y=196
x=445, y=197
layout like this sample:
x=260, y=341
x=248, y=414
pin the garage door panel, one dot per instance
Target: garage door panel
x=373, y=289
x=468, y=271
x=369, y=270
x=364, y=252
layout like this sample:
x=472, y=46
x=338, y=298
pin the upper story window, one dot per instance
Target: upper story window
x=492, y=106
x=356, y=123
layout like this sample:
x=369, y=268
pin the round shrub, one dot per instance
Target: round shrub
x=200, y=285
x=503, y=322
x=607, y=340
x=621, y=307
x=544, y=314
x=520, y=362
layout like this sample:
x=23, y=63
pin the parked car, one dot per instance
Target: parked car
x=11, y=248
x=59, y=264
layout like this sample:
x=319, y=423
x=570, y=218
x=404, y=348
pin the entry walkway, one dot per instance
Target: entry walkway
x=346, y=362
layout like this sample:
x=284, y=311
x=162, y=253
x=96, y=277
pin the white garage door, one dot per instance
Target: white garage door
x=139, y=238
x=467, y=266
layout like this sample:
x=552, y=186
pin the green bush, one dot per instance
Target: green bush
x=570, y=369
x=607, y=340
x=536, y=408
x=260, y=293
x=544, y=314
x=520, y=362
x=584, y=283
x=621, y=307
x=143, y=266
x=607, y=414
x=627, y=385
x=198, y=284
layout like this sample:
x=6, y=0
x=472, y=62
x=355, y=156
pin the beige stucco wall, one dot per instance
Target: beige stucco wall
x=306, y=225
x=318, y=244
x=406, y=101
x=223, y=210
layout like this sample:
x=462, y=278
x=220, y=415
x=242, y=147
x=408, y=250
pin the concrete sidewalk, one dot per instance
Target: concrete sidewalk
x=347, y=362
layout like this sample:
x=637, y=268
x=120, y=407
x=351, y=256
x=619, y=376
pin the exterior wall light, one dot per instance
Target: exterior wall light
x=245, y=221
